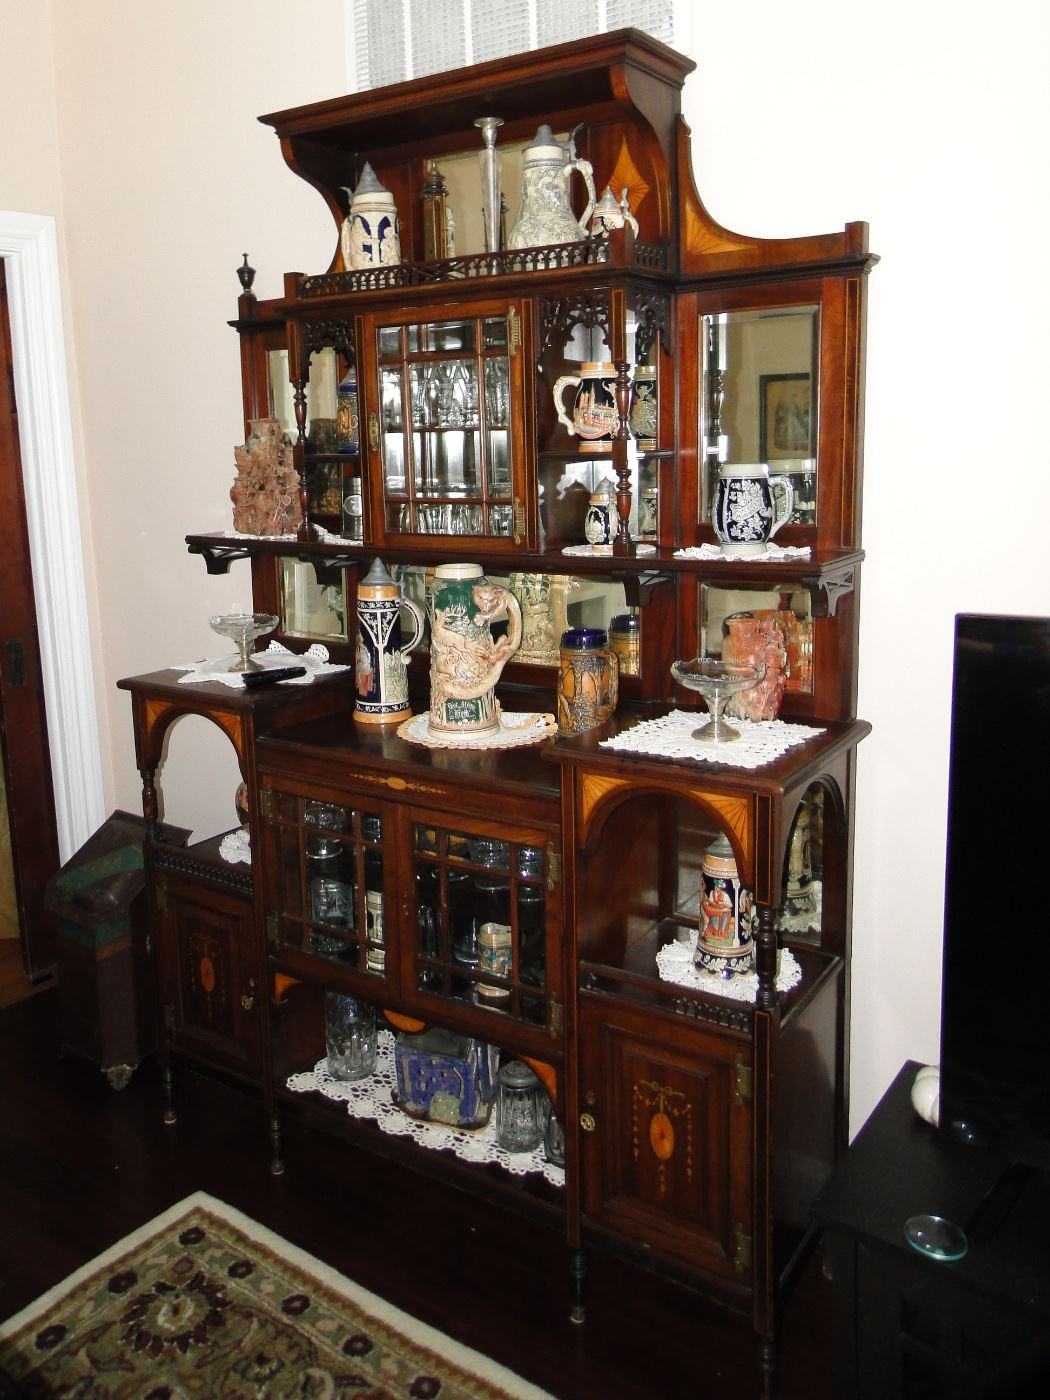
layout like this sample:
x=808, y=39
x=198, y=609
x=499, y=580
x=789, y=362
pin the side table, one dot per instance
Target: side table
x=909, y=1325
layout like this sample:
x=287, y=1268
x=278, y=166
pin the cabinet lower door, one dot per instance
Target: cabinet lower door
x=666, y=1133
x=209, y=997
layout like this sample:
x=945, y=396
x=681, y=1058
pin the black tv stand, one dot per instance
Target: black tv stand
x=907, y=1325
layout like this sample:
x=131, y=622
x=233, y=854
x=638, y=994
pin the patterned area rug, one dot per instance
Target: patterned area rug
x=203, y=1302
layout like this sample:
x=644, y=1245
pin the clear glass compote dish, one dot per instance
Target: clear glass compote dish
x=716, y=681
x=243, y=628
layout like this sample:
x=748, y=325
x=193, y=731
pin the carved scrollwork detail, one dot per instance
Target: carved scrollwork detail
x=560, y=316
x=330, y=332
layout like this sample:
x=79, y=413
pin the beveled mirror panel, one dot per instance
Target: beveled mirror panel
x=784, y=615
x=758, y=398
x=315, y=611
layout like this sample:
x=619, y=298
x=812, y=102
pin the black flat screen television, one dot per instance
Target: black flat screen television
x=995, y=999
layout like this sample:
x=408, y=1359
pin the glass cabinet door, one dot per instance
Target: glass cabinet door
x=445, y=427
x=481, y=921
x=329, y=900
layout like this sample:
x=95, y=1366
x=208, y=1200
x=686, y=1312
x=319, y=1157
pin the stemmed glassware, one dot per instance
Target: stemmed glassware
x=244, y=628
x=716, y=680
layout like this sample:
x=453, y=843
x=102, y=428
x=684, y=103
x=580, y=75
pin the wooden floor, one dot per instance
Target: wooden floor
x=82, y=1164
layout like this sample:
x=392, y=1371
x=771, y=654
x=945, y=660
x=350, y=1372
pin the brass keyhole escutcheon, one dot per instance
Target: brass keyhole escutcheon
x=587, y=1122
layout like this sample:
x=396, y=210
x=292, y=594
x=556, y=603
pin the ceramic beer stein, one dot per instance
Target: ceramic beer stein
x=588, y=680
x=601, y=521
x=545, y=215
x=726, y=942
x=370, y=236
x=465, y=660
x=749, y=508
x=643, y=414
x=382, y=657
x=610, y=213
x=595, y=418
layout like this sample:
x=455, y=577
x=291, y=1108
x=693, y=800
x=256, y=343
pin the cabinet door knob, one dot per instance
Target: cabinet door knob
x=587, y=1122
x=373, y=431
x=247, y=1001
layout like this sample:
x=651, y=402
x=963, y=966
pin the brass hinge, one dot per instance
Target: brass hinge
x=272, y=935
x=266, y=803
x=742, y=1084
x=555, y=1017
x=519, y=521
x=160, y=896
x=553, y=867
x=169, y=1017
x=513, y=331
x=741, y=1249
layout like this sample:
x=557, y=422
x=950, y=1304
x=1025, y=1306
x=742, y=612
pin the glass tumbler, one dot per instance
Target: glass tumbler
x=350, y=1036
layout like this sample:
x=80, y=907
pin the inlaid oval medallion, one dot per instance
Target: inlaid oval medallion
x=207, y=971
x=661, y=1136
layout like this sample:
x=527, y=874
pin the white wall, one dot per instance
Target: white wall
x=929, y=120
x=932, y=122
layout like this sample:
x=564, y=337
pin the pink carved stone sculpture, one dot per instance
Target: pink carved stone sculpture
x=758, y=641
x=265, y=494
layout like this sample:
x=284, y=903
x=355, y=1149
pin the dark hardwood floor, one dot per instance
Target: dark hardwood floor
x=82, y=1164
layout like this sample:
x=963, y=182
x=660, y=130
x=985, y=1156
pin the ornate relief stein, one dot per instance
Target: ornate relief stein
x=588, y=680
x=544, y=600
x=465, y=660
x=749, y=508
x=756, y=641
x=601, y=520
x=595, y=417
x=382, y=658
x=370, y=236
x=642, y=416
x=545, y=215
x=726, y=942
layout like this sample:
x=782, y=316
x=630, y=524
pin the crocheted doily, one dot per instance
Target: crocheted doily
x=217, y=668
x=670, y=736
x=373, y=1099
x=236, y=847
x=771, y=554
x=515, y=730
x=674, y=962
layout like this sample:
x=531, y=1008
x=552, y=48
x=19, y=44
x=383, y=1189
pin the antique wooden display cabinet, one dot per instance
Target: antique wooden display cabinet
x=420, y=398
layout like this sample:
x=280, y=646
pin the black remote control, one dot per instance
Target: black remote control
x=279, y=673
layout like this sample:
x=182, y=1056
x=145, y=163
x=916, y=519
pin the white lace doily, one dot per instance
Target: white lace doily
x=771, y=554
x=670, y=736
x=588, y=551
x=674, y=962
x=217, y=668
x=515, y=730
x=236, y=847
x=373, y=1099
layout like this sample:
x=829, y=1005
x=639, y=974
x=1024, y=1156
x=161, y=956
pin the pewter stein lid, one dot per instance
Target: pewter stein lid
x=369, y=183
x=544, y=146
x=378, y=576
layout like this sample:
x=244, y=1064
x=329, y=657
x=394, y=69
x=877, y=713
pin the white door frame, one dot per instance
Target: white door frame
x=29, y=246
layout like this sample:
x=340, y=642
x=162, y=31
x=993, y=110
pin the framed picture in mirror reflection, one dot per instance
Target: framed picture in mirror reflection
x=785, y=417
